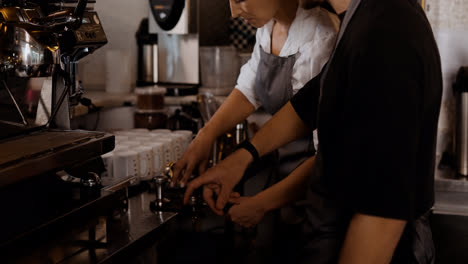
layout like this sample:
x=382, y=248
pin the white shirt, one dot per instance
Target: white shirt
x=311, y=37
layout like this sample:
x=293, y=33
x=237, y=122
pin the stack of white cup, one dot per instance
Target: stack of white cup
x=126, y=164
x=144, y=154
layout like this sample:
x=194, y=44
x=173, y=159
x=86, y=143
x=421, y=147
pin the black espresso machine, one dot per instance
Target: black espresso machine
x=50, y=185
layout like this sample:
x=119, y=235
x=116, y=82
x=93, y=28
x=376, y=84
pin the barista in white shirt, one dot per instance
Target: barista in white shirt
x=292, y=46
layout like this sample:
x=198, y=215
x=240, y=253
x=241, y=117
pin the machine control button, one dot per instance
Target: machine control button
x=90, y=35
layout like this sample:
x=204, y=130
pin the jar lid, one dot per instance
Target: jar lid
x=150, y=90
x=131, y=143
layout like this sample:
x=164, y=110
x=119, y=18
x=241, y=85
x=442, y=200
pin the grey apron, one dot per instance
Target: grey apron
x=273, y=88
x=326, y=224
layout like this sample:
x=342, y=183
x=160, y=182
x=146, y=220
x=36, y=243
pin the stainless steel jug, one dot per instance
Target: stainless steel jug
x=461, y=132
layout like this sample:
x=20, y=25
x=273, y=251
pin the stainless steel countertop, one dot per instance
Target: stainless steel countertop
x=451, y=193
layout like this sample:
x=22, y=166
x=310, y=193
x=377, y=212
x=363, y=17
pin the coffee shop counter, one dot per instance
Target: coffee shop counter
x=449, y=220
x=451, y=193
x=114, y=227
x=140, y=234
x=130, y=237
x=101, y=99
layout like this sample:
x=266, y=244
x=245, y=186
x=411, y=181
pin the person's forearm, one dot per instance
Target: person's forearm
x=371, y=239
x=284, y=127
x=290, y=189
x=234, y=110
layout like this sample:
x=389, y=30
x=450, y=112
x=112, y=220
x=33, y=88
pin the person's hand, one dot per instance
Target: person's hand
x=196, y=155
x=246, y=211
x=219, y=181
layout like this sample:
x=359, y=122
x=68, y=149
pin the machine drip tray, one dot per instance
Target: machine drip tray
x=49, y=150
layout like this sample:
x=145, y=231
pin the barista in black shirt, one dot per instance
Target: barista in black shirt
x=377, y=121
x=376, y=107
x=379, y=107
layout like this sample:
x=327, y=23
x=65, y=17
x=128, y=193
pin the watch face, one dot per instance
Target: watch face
x=167, y=12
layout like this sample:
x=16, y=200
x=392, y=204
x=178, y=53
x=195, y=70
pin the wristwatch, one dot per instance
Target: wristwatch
x=247, y=145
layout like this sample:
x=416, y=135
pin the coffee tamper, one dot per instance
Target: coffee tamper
x=159, y=181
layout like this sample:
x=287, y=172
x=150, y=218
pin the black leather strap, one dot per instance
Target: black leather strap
x=250, y=148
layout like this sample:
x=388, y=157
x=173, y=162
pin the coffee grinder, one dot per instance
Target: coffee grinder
x=176, y=55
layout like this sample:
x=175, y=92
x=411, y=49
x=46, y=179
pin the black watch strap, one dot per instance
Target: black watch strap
x=250, y=148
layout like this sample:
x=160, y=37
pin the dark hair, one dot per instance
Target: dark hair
x=307, y=4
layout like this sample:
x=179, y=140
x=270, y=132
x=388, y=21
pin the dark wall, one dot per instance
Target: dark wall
x=214, y=22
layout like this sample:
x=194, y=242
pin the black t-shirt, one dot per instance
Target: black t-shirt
x=378, y=112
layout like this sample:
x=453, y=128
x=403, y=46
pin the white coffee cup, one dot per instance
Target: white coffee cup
x=188, y=133
x=123, y=132
x=108, y=160
x=145, y=156
x=119, y=148
x=179, y=143
x=161, y=131
x=140, y=130
x=120, y=138
x=126, y=164
x=131, y=143
x=159, y=158
x=169, y=155
x=188, y=136
x=144, y=139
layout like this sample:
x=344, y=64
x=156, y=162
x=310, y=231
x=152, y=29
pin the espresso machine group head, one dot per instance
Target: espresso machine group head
x=176, y=58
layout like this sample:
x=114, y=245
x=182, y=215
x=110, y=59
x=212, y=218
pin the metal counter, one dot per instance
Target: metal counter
x=451, y=193
x=129, y=234
x=26, y=156
x=108, y=229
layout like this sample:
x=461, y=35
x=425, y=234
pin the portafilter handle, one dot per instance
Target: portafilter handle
x=80, y=8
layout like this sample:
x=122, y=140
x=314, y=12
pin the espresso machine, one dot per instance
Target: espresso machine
x=176, y=55
x=50, y=184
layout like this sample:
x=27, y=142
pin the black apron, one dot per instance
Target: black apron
x=327, y=222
